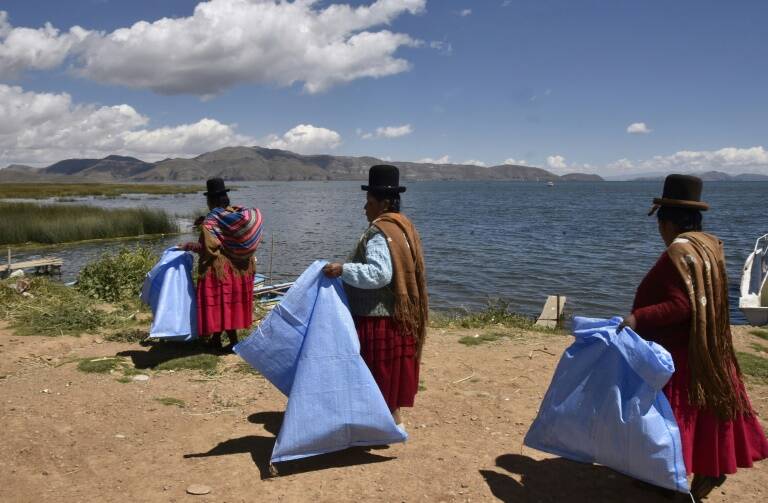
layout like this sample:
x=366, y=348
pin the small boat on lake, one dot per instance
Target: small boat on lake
x=550, y=184
x=753, y=300
x=271, y=294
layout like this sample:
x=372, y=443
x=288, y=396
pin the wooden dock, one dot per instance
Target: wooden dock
x=44, y=265
x=552, y=314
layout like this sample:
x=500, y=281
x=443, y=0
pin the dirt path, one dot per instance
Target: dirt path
x=68, y=436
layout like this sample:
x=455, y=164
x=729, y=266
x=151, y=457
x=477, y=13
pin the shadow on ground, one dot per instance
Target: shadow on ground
x=162, y=351
x=260, y=449
x=558, y=480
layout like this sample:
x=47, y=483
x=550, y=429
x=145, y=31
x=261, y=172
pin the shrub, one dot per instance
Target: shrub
x=119, y=276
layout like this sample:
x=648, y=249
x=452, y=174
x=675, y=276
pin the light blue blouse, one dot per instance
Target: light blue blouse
x=376, y=272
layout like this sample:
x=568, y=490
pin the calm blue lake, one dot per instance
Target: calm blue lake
x=483, y=240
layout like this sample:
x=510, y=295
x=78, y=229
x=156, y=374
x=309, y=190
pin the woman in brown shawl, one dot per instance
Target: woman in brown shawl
x=682, y=303
x=386, y=286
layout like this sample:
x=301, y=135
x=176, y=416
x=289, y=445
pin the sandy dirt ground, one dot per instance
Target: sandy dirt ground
x=68, y=436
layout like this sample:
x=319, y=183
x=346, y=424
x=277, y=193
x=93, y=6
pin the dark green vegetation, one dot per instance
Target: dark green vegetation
x=66, y=191
x=754, y=366
x=50, y=224
x=98, y=365
x=116, y=277
x=760, y=332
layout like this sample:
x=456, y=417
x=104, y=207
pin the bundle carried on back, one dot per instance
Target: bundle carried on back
x=234, y=233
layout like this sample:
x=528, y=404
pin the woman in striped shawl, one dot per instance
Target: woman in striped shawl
x=229, y=237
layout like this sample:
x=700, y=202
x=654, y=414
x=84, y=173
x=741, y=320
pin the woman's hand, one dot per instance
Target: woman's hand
x=629, y=322
x=333, y=270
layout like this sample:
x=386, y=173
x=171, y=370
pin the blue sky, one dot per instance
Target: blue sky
x=614, y=87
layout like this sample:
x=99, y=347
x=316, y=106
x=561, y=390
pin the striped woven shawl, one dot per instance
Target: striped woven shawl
x=239, y=230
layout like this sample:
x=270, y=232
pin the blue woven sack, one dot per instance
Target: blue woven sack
x=168, y=290
x=605, y=405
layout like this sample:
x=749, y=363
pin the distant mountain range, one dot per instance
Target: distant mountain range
x=712, y=176
x=257, y=163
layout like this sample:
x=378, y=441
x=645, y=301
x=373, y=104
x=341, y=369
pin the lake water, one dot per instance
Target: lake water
x=520, y=242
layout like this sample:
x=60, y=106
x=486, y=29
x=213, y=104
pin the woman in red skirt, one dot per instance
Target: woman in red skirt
x=386, y=286
x=682, y=303
x=229, y=236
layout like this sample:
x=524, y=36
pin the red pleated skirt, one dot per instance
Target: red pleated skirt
x=391, y=355
x=712, y=447
x=224, y=304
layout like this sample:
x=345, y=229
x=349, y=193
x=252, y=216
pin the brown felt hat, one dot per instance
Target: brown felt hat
x=681, y=191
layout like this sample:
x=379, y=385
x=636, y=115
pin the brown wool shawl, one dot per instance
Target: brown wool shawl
x=213, y=256
x=700, y=260
x=409, y=278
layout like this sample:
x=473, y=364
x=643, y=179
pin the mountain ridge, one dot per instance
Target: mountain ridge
x=263, y=164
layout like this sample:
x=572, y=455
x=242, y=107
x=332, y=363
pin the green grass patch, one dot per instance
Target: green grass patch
x=496, y=314
x=485, y=337
x=170, y=401
x=760, y=332
x=49, y=224
x=244, y=368
x=203, y=362
x=754, y=366
x=68, y=191
x=124, y=380
x=53, y=309
x=759, y=347
x=98, y=365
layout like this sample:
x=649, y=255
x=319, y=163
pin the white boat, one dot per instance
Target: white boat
x=550, y=184
x=753, y=300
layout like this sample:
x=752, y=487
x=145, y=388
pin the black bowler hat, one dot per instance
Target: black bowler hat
x=681, y=191
x=383, y=178
x=215, y=187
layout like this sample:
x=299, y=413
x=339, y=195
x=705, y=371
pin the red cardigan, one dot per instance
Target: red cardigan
x=662, y=308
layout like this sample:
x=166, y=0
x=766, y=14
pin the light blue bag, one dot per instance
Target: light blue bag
x=605, y=405
x=307, y=346
x=170, y=293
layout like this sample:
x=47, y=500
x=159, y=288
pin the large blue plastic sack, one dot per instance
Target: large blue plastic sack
x=170, y=293
x=605, y=405
x=307, y=346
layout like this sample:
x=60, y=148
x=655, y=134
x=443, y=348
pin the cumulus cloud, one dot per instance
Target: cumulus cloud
x=465, y=12
x=40, y=128
x=556, y=162
x=34, y=49
x=226, y=42
x=638, y=128
x=473, y=162
x=441, y=46
x=387, y=132
x=441, y=160
x=516, y=162
x=306, y=139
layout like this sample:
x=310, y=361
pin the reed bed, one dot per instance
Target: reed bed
x=50, y=224
x=67, y=191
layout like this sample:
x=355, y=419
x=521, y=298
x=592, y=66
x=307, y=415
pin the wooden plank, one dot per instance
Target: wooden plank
x=552, y=312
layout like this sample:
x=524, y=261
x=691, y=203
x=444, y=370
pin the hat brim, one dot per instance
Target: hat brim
x=216, y=193
x=368, y=188
x=681, y=203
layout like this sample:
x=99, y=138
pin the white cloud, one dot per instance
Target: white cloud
x=441, y=160
x=517, y=162
x=638, y=128
x=556, y=162
x=387, y=132
x=306, y=139
x=40, y=128
x=441, y=46
x=226, y=42
x=34, y=49
x=465, y=12
x=473, y=162
x=506, y=3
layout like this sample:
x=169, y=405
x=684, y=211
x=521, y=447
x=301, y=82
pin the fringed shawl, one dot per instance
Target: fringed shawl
x=409, y=278
x=700, y=261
